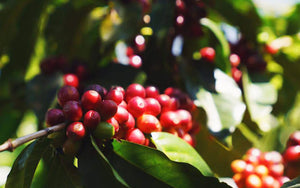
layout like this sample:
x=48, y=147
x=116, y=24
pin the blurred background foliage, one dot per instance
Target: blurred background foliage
x=260, y=111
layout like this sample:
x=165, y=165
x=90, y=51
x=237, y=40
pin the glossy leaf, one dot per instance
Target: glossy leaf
x=24, y=166
x=260, y=97
x=159, y=166
x=95, y=169
x=178, y=150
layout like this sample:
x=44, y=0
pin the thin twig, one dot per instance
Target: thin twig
x=10, y=144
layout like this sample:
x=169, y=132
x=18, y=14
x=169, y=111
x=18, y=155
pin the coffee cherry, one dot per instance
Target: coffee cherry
x=119, y=88
x=75, y=131
x=71, y=147
x=90, y=100
x=135, y=61
x=270, y=158
x=261, y=170
x=54, y=117
x=71, y=80
x=253, y=181
x=271, y=49
x=270, y=182
x=123, y=104
x=234, y=60
x=238, y=166
x=129, y=51
x=236, y=74
x=294, y=139
x=151, y=91
x=148, y=123
x=254, y=152
x=136, y=106
x=189, y=139
x=115, y=95
x=107, y=109
x=169, y=119
x=130, y=123
x=67, y=93
x=134, y=90
x=208, y=53
x=101, y=90
x=121, y=115
x=135, y=136
x=114, y=123
x=239, y=180
x=249, y=169
x=276, y=170
x=152, y=106
x=292, y=154
x=185, y=119
x=91, y=119
x=104, y=130
x=72, y=111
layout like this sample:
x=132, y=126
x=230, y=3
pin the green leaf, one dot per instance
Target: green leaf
x=158, y=165
x=95, y=169
x=60, y=170
x=260, y=96
x=24, y=166
x=178, y=150
x=224, y=65
x=39, y=97
x=292, y=184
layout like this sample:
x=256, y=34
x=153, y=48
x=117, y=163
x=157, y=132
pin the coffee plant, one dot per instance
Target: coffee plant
x=140, y=93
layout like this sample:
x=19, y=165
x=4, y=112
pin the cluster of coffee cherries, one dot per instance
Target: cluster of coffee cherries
x=259, y=170
x=187, y=15
x=291, y=155
x=130, y=114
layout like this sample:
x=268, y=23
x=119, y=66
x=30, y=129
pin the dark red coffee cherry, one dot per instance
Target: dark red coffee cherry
x=208, y=53
x=54, y=117
x=90, y=100
x=292, y=154
x=135, y=136
x=107, y=109
x=72, y=111
x=76, y=131
x=67, y=93
x=91, y=119
x=148, y=123
x=134, y=90
x=101, y=90
x=71, y=80
x=294, y=139
x=136, y=106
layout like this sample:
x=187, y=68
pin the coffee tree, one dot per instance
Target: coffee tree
x=140, y=93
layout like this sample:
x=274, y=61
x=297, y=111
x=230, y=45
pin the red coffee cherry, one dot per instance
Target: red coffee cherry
x=90, y=100
x=239, y=180
x=292, y=154
x=123, y=104
x=249, y=169
x=189, y=139
x=151, y=91
x=276, y=170
x=107, y=109
x=67, y=93
x=101, y=90
x=136, y=106
x=135, y=136
x=238, y=166
x=76, y=131
x=148, y=123
x=121, y=115
x=270, y=182
x=130, y=123
x=185, y=119
x=253, y=181
x=114, y=123
x=152, y=106
x=261, y=170
x=234, y=60
x=271, y=157
x=72, y=111
x=254, y=152
x=115, y=95
x=135, y=61
x=54, y=117
x=208, y=53
x=134, y=90
x=294, y=139
x=236, y=74
x=271, y=49
x=169, y=119
x=129, y=51
x=71, y=80
x=91, y=119
x=119, y=88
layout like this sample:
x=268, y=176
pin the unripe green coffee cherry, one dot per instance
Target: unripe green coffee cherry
x=71, y=147
x=104, y=130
